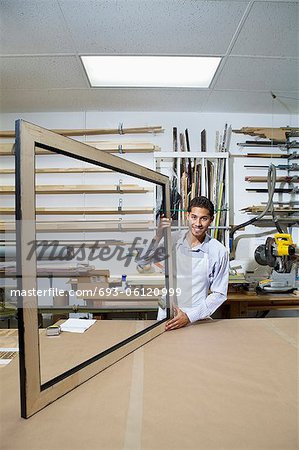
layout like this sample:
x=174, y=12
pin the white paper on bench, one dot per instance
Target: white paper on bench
x=77, y=325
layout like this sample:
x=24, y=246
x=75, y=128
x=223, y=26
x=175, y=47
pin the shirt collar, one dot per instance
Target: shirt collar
x=203, y=246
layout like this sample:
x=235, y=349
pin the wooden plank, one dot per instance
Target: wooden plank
x=276, y=190
x=95, y=131
x=82, y=189
x=287, y=179
x=77, y=243
x=275, y=134
x=83, y=226
x=124, y=147
x=62, y=170
x=260, y=208
x=78, y=211
x=283, y=145
x=7, y=149
x=265, y=155
x=268, y=222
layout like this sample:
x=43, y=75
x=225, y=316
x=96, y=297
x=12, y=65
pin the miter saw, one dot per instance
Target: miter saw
x=280, y=253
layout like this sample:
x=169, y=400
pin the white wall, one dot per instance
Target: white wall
x=195, y=122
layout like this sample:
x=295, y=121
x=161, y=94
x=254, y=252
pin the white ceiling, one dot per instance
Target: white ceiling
x=41, y=42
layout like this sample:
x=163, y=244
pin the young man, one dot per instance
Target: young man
x=202, y=265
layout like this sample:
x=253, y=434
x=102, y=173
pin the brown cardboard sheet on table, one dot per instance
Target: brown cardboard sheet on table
x=230, y=384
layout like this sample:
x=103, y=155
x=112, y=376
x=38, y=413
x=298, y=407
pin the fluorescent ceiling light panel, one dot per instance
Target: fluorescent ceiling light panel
x=150, y=71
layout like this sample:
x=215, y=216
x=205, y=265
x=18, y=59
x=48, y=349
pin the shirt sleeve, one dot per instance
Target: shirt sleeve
x=218, y=288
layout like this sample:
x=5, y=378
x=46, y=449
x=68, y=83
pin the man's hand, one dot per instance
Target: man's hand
x=163, y=223
x=180, y=320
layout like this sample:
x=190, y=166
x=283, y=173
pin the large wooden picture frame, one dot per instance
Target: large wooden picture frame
x=34, y=395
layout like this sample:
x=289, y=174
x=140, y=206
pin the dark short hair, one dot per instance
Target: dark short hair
x=202, y=202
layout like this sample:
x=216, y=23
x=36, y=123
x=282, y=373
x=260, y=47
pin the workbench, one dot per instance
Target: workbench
x=241, y=303
x=223, y=384
x=237, y=305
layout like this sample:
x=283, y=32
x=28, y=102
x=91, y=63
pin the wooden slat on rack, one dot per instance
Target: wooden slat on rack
x=84, y=226
x=78, y=211
x=275, y=134
x=264, y=155
x=124, y=147
x=288, y=179
x=82, y=189
x=112, y=147
x=62, y=170
x=96, y=131
x=260, y=208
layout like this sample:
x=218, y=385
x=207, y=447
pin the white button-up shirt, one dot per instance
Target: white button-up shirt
x=199, y=269
x=209, y=271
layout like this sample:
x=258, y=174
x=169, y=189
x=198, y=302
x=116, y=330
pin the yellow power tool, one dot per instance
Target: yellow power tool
x=281, y=254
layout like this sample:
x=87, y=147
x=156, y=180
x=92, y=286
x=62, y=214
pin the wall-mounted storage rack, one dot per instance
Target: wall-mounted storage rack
x=216, y=190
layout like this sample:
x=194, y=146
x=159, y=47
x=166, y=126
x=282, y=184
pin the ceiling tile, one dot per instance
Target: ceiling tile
x=58, y=83
x=148, y=100
x=33, y=27
x=41, y=72
x=103, y=100
x=247, y=102
x=266, y=74
x=286, y=101
x=152, y=26
x=271, y=29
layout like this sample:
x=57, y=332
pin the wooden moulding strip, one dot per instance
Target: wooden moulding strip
x=265, y=155
x=276, y=134
x=269, y=222
x=82, y=189
x=124, y=147
x=61, y=170
x=9, y=149
x=256, y=209
x=84, y=226
x=95, y=131
x=283, y=145
x=87, y=244
x=290, y=179
x=278, y=190
x=85, y=211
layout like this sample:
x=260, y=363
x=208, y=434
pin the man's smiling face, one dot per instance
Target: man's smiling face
x=199, y=220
